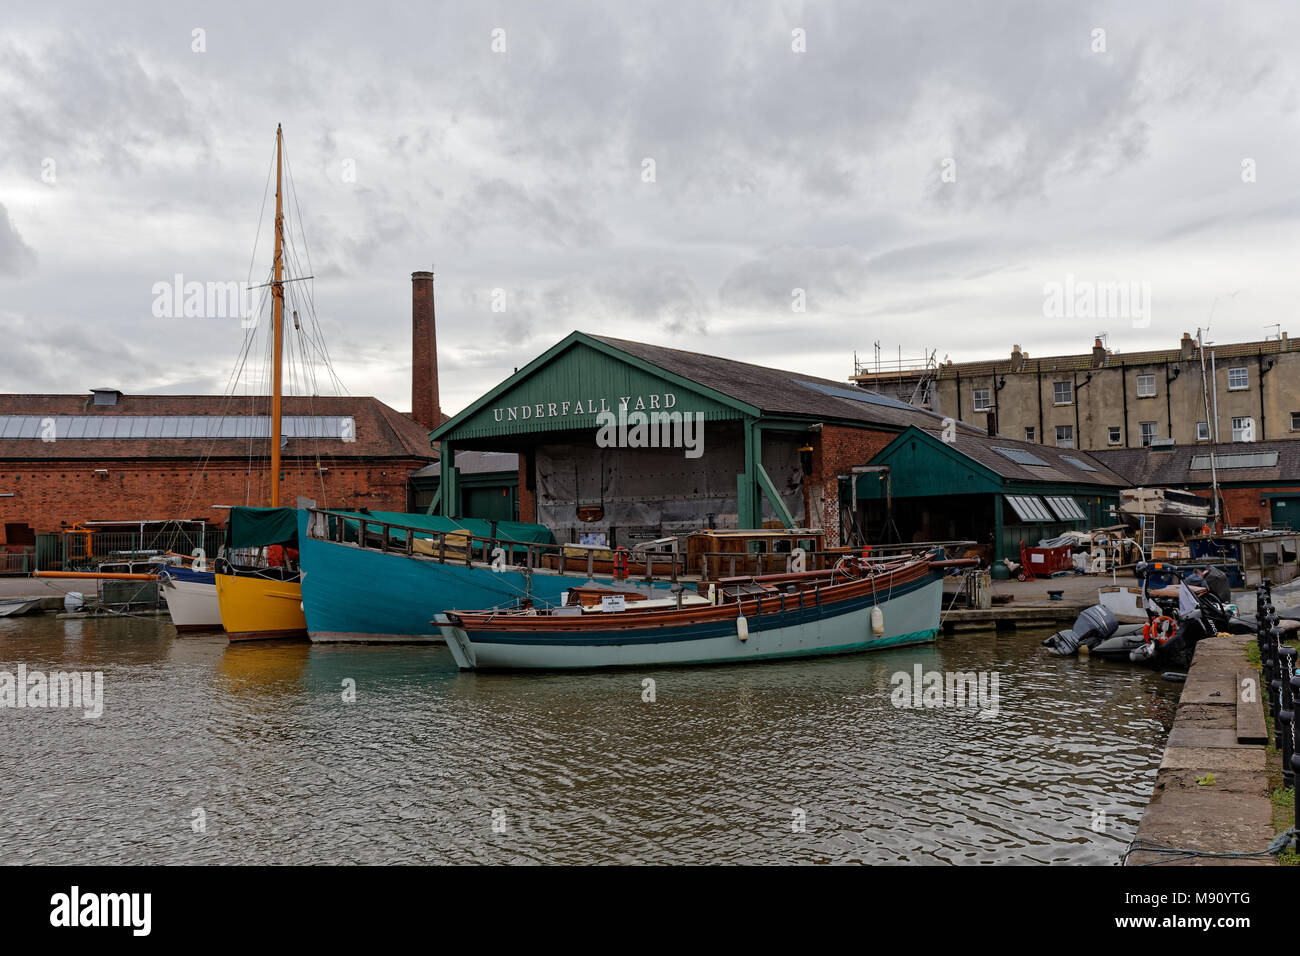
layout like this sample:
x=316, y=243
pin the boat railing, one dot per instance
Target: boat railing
x=460, y=546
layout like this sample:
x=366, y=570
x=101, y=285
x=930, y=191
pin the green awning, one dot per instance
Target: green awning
x=260, y=527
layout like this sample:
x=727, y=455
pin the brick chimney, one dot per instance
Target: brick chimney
x=1187, y=347
x=424, y=353
x=1098, y=353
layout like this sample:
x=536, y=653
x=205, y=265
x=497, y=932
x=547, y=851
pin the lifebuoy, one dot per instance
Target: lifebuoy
x=620, y=562
x=1159, y=629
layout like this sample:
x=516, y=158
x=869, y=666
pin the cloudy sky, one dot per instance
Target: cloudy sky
x=923, y=172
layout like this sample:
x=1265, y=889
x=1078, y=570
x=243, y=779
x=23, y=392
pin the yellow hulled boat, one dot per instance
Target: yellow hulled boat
x=266, y=602
x=258, y=605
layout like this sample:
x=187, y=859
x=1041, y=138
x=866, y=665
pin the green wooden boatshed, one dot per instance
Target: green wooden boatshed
x=988, y=489
x=767, y=450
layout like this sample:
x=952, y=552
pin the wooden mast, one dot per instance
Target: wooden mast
x=277, y=325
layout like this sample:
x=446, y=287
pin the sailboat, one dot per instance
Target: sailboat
x=266, y=602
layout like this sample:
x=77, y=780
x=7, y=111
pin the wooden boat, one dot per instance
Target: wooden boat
x=266, y=602
x=19, y=606
x=379, y=577
x=191, y=595
x=857, y=605
x=705, y=554
x=1172, y=511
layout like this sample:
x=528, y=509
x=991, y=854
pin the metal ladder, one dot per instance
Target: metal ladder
x=1148, y=535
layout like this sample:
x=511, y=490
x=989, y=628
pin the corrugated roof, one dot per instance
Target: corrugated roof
x=381, y=432
x=473, y=463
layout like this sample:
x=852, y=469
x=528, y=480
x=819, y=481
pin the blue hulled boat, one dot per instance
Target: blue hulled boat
x=382, y=576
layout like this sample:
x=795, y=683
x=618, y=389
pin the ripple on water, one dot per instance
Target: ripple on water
x=722, y=767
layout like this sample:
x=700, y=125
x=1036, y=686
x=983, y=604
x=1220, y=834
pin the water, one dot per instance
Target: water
x=577, y=767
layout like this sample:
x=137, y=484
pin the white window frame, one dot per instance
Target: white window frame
x=1145, y=438
x=1239, y=426
x=1066, y=508
x=1202, y=425
x=1070, y=440
x=1056, y=386
x=1295, y=421
x=1114, y=435
x=1149, y=380
x=987, y=403
x=1031, y=432
x=1245, y=375
x=1029, y=508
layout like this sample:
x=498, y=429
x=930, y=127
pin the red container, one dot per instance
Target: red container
x=1045, y=561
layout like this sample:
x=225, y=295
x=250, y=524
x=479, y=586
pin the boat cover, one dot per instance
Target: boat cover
x=261, y=527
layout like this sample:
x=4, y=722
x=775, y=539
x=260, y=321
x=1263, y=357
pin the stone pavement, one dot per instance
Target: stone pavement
x=1218, y=729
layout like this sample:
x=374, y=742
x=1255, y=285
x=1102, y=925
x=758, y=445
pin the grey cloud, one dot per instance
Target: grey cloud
x=16, y=257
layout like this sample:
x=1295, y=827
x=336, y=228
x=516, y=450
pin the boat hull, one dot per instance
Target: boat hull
x=257, y=608
x=911, y=616
x=193, y=605
x=357, y=595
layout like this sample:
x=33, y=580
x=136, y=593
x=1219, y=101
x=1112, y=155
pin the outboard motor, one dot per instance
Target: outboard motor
x=1092, y=626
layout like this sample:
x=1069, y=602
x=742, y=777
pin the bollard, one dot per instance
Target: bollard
x=1286, y=714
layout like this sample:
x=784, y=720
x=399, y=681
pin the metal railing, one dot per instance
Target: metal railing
x=465, y=548
x=1282, y=686
x=17, y=562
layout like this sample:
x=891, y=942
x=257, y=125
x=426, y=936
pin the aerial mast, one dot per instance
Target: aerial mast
x=277, y=324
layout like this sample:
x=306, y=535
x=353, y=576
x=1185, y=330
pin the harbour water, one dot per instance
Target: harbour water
x=215, y=753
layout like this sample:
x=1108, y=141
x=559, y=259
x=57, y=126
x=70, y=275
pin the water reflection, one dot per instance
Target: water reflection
x=805, y=761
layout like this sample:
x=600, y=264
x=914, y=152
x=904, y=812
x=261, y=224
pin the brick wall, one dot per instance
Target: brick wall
x=50, y=492
x=1242, y=506
x=527, y=499
x=835, y=451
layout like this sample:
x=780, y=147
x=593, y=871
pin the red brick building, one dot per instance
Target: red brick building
x=68, y=459
x=104, y=456
x=1259, y=482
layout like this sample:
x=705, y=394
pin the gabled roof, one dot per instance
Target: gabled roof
x=380, y=431
x=1011, y=460
x=779, y=392
x=1143, y=467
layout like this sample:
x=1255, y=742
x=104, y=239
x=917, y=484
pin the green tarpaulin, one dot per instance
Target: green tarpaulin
x=260, y=527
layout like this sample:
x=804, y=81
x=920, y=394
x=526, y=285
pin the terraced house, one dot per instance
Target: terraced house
x=1105, y=399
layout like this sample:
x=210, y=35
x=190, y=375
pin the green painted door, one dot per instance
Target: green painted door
x=490, y=504
x=1285, y=513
